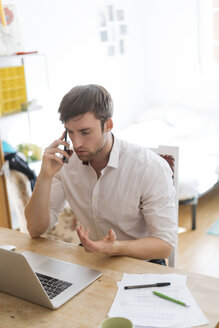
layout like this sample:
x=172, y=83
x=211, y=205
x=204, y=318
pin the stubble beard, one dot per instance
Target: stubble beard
x=91, y=155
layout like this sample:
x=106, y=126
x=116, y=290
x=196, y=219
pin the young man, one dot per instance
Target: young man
x=122, y=194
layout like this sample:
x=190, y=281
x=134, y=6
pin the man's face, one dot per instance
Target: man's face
x=86, y=135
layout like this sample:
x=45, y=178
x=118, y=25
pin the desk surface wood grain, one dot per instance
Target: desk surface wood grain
x=91, y=306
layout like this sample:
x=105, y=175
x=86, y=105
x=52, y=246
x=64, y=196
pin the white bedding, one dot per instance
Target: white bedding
x=196, y=134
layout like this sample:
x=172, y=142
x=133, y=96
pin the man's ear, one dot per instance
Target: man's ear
x=108, y=124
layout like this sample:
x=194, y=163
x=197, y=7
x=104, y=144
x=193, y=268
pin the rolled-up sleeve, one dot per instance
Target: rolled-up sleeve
x=158, y=203
x=57, y=201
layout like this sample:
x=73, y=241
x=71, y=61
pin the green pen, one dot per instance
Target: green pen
x=170, y=299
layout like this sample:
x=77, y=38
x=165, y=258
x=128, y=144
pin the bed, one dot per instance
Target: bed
x=197, y=136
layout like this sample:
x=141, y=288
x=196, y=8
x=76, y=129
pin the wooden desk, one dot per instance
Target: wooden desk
x=91, y=306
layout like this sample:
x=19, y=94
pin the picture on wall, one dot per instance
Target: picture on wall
x=112, y=29
x=10, y=35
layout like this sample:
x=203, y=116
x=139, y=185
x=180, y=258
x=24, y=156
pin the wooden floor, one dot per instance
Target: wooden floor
x=198, y=251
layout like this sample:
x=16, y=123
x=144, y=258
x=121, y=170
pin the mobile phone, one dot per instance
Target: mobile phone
x=64, y=159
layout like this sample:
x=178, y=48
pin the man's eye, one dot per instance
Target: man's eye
x=85, y=133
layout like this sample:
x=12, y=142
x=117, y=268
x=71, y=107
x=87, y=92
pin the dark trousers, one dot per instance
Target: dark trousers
x=158, y=261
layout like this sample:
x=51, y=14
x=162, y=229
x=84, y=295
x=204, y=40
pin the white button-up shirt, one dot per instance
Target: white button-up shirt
x=134, y=195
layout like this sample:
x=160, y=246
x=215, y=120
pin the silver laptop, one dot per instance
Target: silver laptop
x=41, y=279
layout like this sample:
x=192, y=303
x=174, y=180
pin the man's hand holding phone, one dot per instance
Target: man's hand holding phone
x=66, y=148
x=54, y=156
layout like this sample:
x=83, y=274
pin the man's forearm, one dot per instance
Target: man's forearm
x=37, y=210
x=146, y=248
x=143, y=248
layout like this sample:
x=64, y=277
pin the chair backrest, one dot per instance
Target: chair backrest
x=171, y=155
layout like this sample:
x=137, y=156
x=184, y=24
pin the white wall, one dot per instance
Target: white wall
x=161, y=63
x=174, y=54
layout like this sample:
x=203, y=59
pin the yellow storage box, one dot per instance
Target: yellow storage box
x=13, y=95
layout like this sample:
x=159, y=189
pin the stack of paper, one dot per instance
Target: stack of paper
x=145, y=309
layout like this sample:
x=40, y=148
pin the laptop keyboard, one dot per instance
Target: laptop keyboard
x=52, y=286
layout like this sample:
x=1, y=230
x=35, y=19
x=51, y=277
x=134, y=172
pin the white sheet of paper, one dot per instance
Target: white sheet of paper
x=145, y=309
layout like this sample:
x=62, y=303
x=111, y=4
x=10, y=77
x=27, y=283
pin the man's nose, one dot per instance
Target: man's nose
x=77, y=142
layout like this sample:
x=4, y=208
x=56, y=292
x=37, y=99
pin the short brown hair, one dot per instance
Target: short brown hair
x=86, y=98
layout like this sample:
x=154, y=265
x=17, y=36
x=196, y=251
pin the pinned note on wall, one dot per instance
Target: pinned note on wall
x=10, y=35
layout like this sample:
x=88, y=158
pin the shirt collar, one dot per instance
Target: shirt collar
x=114, y=154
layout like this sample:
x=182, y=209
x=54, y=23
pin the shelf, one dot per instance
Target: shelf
x=30, y=109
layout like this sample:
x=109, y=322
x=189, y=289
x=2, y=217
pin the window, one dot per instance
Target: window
x=216, y=30
x=209, y=37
